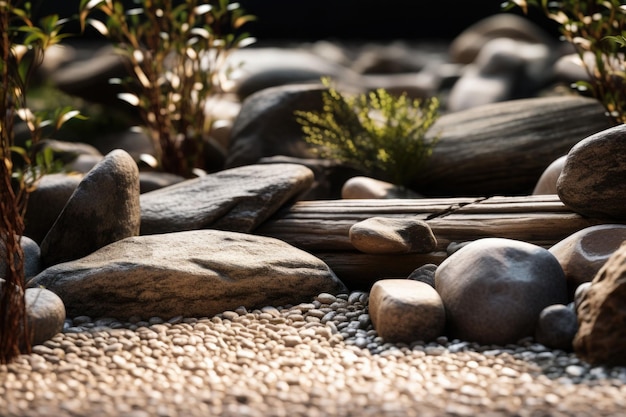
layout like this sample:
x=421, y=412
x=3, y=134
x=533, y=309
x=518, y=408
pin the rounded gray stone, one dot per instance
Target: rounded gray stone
x=494, y=289
x=556, y=327
x=45, y=313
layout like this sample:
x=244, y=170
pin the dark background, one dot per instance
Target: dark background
x=366, y=19
x=295, y=20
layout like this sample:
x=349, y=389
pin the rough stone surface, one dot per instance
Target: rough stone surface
x=194, y=273
x=379, y=235
x=583, y=253
x=593, y=180
x=45, y=314
x=104, y=208
x=405, y=311
x=237, y=199
x=557, y=326
x=601, y=336
x=494, y=289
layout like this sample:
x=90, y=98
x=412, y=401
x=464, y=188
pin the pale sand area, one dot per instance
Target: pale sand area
x=314, y=359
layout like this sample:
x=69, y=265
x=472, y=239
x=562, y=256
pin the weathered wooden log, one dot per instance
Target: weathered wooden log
x=322, y=228
x=503, y=148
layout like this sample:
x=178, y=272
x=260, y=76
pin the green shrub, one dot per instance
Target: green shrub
x=178, y=57
x=22, y=48
x=596, y=29
x=382, y=134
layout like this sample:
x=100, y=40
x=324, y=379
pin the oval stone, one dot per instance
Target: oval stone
x=494, y=289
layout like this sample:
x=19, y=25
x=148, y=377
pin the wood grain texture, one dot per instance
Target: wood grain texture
x=322, y=228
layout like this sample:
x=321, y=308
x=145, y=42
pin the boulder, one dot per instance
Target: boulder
x=237, y=199
x=268, y=67
x=494, y=289
x=196, y=273
x=266, y=124
x=425, y=274
x=601, y=336
x=45, y=314
x=329, y=176
x=593, y=180
x=104, y=208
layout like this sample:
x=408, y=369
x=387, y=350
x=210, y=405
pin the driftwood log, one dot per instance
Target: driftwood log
x=502, y=148
x=322, y=227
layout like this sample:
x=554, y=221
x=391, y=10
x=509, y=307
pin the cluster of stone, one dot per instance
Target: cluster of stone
x=117, y=241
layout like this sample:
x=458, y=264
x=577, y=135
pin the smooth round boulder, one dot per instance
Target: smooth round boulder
x=494, y=289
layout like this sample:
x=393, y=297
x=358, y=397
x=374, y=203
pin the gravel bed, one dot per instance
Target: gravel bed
x=313, y=359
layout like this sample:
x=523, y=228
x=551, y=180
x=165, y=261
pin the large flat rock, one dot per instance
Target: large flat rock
x=194, y=274
x=237, y=199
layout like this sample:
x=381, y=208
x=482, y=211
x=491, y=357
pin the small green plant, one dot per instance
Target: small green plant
x=596, y=29
x=22, y=48
x=376, y=132
x=178, y=59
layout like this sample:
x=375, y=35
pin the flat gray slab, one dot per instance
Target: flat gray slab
x=237, y=199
